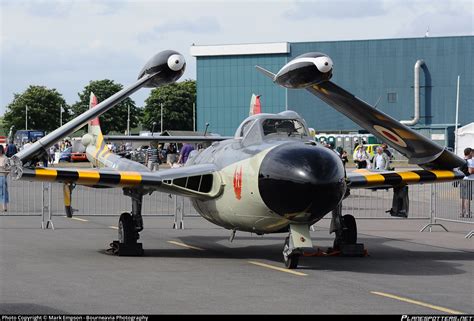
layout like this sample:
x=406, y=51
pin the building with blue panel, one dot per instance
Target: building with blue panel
x=379, y=72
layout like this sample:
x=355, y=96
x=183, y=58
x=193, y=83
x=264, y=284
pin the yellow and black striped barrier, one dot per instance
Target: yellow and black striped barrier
x=365, y=178
x=90, y=177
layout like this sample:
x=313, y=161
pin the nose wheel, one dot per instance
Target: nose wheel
x=296, y=243
x=290, y=259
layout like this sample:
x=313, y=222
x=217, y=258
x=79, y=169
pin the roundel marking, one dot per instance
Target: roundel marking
x=390, y=135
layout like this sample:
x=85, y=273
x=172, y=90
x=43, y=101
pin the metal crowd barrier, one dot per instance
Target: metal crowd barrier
x=26, y=198
x=452, y=202
x=367, y=203
x=437, y=202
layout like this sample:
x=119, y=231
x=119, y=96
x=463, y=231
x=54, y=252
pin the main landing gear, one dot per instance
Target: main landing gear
x=298, y=243
x=129, y=226
x=345, y=228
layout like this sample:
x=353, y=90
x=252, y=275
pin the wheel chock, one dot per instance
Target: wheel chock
x=122, y=249
x=348, y=250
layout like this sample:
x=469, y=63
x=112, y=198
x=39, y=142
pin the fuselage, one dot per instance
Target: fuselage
x=271, y=184
x=270, y=175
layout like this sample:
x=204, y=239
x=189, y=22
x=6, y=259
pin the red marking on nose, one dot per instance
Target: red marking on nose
x=238, y=183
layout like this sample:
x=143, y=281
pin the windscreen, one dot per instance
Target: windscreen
x=288, y=127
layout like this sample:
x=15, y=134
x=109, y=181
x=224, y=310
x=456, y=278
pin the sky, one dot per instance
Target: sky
x=66, y=44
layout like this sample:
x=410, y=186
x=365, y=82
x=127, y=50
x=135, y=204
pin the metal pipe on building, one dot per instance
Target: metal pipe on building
x=416, y=91
x=457, y=119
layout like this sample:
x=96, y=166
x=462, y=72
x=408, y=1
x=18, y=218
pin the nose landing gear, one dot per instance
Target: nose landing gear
x=296, y=244
x=291, y=258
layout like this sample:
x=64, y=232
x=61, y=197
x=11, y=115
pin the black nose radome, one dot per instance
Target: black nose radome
x=301, y=182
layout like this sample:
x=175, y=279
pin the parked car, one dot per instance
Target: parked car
x=78, y=157
x=65, y=155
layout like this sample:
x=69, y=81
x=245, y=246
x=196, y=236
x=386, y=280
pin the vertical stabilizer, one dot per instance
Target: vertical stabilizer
x=255, y=107
x=94, y=124
x=98, y=148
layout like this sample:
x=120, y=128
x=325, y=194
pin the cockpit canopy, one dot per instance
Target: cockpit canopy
x=283, y=126
x=260, y=127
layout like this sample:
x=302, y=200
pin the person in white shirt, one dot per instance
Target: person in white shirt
x=381, y=160
x=467, y=185
x=362, y=157
x=26, y=145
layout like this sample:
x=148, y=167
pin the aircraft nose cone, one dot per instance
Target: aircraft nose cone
x=301, y=182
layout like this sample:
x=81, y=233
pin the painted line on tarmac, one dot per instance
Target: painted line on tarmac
x=186, y=245
x=114, y=227
x=423, y=304
x=79, y=219
x=277, y=268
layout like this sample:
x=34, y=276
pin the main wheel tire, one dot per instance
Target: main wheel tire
x=349, y=233
x=291, y=260
x=126, y=229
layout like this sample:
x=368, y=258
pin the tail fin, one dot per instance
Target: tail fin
x=255, y=107
x=265, y=72
x=94, y=126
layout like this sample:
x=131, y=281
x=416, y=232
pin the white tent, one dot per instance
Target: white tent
x=465, y=138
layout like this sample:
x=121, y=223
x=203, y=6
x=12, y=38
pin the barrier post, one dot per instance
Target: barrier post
x=175, y=222
x=432, y=211
x=178, y=223
x=46, y=201
x=181, y=217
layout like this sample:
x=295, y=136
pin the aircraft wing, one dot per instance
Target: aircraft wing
x=200, y=181
x=416, y=147
x=158, y=71
x=174, y=139
x=363, y=178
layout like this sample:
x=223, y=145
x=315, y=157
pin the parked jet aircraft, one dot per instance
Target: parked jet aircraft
x=269, y=178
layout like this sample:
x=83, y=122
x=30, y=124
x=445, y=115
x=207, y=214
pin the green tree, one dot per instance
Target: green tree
x=44, y=109
x=116, y=118
x=177, y=100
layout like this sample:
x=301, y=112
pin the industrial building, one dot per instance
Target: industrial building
x=380, y=72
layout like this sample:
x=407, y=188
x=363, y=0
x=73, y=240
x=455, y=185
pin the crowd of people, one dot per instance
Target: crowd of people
x=11, y=149
x=362, y=159
x=176, y=155
x=380, y=161
x=156, y=154
x=168, y=153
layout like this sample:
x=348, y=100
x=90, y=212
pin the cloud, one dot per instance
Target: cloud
x=109, y=7
x=441, y=19
x=64, y=8
x=64, y=44
x=202, y=25
x=68, y=70
x=48, y=8
x=341, y=9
